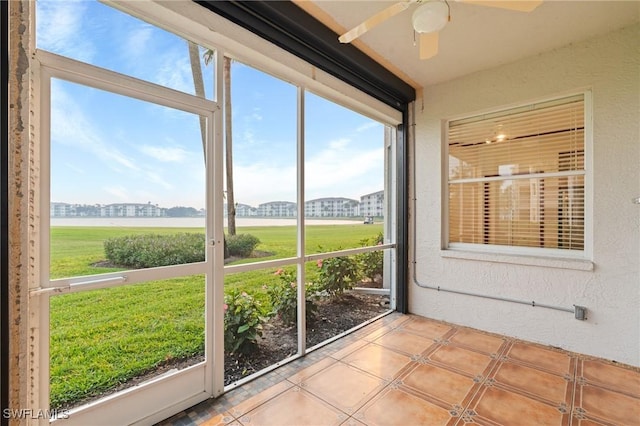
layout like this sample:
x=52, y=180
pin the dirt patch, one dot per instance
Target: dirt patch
x=279, y=341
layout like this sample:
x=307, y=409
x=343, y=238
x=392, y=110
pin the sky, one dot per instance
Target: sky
x=108, y=148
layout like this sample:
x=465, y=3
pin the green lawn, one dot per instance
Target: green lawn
x=102, y=338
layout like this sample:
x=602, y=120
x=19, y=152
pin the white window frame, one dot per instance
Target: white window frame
x=194, y=383
x=147, y=403
x=536, y=256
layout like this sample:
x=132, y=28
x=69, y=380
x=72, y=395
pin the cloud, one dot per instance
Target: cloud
x=155, y=178
x=75, y=168
x=256, y=114
x=246, y=126
x=59, y=28
x=70, y=126
x=341, y=169
x=367, y=126
x=136, y=44
x=259, y=183
x=165, y=154
x=119, y=192
x=339, y=144
x=174, y=71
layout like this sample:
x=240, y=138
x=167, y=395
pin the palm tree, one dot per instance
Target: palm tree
x=228, y=143
x=198, y=83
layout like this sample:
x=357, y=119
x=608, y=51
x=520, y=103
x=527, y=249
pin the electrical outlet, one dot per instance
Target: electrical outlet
x=580, y=312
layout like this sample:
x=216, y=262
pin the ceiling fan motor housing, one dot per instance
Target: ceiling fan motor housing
x=430, y=17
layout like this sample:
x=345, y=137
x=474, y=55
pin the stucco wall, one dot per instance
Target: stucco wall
x=20, y=198
x=610, y=67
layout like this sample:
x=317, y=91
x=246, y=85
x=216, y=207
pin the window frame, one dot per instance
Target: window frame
x=50, y=65
x=538, y=256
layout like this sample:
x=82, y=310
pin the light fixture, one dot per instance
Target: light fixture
x=430, y=17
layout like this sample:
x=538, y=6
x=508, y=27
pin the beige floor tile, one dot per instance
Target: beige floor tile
x=585, y=422
x=467, y=361
x=426, y=328
x=352, y=422
x=441, y=384
x=479, y=341
x=378, y=333
x=408, y=343
x=344, y=387
x=259, y=399
x=549, y=387
x=547, y=359
x=612, y=407
x=302, y=375
x=294, y=407
x=379, y=361
x=509, y=408
x=349, y=349
x=612, y=377
x=396, y=407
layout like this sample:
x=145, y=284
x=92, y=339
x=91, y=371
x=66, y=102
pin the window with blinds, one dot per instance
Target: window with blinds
x=516, y=177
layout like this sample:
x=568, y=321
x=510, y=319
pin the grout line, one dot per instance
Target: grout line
x=575, y=390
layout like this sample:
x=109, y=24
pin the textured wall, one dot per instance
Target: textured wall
x=610, y=66
x=19, y=203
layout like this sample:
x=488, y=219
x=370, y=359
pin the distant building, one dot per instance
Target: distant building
x=245, y=210
x=278, y=209
x=61, y=210
x=132, y=210
x=73, y=210
x=372, y=205
x=331, y=207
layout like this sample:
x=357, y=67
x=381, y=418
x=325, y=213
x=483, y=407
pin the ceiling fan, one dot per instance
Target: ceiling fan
x=430, y=17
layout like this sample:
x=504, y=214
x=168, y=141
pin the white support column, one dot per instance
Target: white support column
x=302, y=323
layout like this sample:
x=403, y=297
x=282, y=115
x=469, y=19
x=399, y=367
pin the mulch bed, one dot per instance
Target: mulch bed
x=279, y=341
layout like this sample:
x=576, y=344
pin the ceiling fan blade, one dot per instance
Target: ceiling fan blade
x=428, y=45
x=517, y=5
x=376, y=19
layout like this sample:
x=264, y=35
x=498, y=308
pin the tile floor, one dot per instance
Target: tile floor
x=408, y=370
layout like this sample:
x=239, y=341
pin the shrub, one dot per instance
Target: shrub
x=151, y=250
x=337, y=274
x=242, y=244
x=284, y=298
x=242, y=322
x=371, y=263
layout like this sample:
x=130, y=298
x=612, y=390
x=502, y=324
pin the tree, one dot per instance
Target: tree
x=228, y=143
x=199, y=87
x=198, y=83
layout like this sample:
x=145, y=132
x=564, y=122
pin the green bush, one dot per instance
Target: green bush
x=242, y=322
x=242, y=245
x=371, y=263
x=337, y=274
x=284, y=298
x=151, y=250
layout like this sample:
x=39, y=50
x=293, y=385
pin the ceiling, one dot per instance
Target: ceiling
x=477, y=38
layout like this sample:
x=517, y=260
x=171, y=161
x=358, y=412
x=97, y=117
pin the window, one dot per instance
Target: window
x=131, y=155
x=517, y=178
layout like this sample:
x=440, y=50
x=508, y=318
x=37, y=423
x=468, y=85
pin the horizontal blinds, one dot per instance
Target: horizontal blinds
x=517, y=178
x=524, y=142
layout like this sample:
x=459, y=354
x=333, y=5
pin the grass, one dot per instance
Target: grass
x=100, y=339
